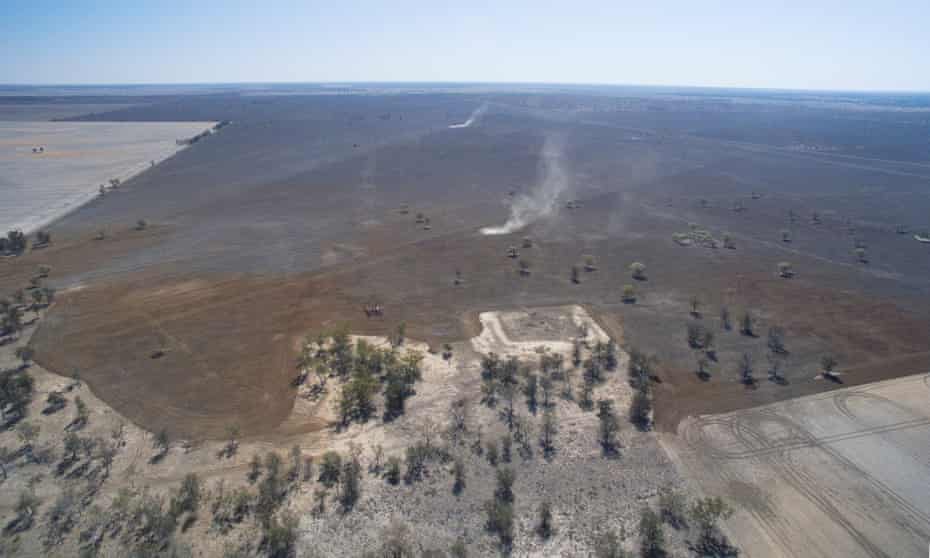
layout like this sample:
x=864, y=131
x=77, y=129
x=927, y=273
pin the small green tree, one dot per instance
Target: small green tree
x=638, y=271
x=458, y=473
x=25, y=354
x=629, y=294
x=706, y=513
x=776, y=340
x=544, y=526
x=725, y=318
x=608, y=426
x=828, y=363
x=330, y=468
x=651, y=535
x=609, y=545
x=392, y=470
x=72, y=445
x=548, y=431
x=785, y=269
x=255, y=468
x=161, y=442
x=747, y=325
x=26, y=505
x=641, y=410
x=280, y=537
x=673, y=507
x=350, y=486
x=745, y=370
x=695, y=305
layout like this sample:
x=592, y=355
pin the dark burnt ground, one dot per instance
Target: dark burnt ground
x=279, y=226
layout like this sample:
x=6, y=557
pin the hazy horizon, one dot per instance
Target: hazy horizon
x=795, y=46
x=453, y=83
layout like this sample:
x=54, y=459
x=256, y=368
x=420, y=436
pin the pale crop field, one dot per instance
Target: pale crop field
x=76, y=158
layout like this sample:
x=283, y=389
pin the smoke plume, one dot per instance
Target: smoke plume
x=471, y=119
x=541, y=202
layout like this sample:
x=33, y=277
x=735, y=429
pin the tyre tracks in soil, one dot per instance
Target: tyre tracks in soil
x=745, y=429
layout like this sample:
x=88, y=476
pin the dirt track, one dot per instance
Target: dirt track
x=841, y=473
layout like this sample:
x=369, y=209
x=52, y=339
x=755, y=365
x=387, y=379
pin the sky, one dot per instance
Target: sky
x=812, y=44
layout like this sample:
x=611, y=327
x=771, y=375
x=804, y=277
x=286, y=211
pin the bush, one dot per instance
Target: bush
x=280, y=537
x=188, y=497
x=609, y=545
x=651, y=535
x=544, y=527
x=392, y=470
x=330, y=468
x=673, y=507
x=641, y=410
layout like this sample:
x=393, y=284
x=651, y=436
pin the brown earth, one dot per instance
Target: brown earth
x=252, y=247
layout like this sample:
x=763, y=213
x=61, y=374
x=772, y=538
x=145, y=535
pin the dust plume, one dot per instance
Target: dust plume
x=541, y=202
x=471, y=119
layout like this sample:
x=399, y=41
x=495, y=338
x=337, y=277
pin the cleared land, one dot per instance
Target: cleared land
x=308, y=210
x=824, y=475
x=75, y=159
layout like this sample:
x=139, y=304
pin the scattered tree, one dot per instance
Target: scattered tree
x=728, y=241
x=861, y=255
x=160, y=442
x=706, y=514
x=673, y=507
x=255, y=468
x=392, y=470
x=330, y=468
x=608, y=426
x=589, y=263
x=629, y=294
x=828, y=363
x=609, y=545
x=458, y=473
x=550, y=427
x=25, y=354
x=702, y=367
x=776, y=340
x=26, y=505
x=641, y=410
x=785, y=270
x=350, y=483
x=638, y=271
x=280, y=537
x=695, y=304
x=747, y=325
x=651, y=535
x=544, y=527
x=745, y=370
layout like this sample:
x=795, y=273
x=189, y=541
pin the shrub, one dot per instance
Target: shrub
x=330, y=468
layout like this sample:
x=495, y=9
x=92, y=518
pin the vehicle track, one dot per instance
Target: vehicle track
x=800, y=482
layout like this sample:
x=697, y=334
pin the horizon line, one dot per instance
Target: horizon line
x=449, y=83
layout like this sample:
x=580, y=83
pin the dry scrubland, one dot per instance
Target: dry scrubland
x=593, y=490
x=358, y=213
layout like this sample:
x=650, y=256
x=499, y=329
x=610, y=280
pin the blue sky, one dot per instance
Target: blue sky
x=848, y=45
